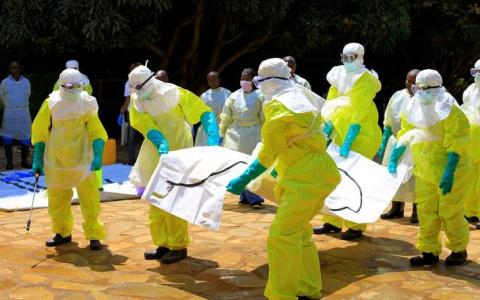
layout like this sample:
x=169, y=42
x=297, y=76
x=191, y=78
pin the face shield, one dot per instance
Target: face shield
x=257, y=80
x=348, y=58
x=143, y=90
x=427, y=94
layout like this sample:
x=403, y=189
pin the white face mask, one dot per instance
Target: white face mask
x=477, y=78
x=424, y=96
x=70, y=94
x=246, y=85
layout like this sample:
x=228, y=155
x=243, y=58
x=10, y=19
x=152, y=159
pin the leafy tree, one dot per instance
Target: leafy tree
x=192, y=37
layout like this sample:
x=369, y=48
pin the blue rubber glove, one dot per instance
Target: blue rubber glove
x=394, y=157
x=387, y=133
x=120, y=120
x=158, y=140
x=351, y=136
x=328, y=129
x=446, y=183
x=237, y=185
x=209, y=124
x=38, y=153
x=97, y=162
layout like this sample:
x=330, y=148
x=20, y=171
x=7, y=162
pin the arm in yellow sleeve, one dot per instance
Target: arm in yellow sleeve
x=142, y=122
x=332, y=93
x=88, y=88
x=457, y=132
x=274, y=133
x=41, y=124
x=192, y=106
x=95, y=128
x=362, y=95
x=226, y=117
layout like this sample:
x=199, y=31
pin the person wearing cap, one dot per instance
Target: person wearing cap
x=351, y=121
x=73, y=64
x=471, y=108
x=437, y=132
x=292, y=137
x=292, y=64
x=16, y=122
x=163, y=113
x=69, y=140
x=391, y=126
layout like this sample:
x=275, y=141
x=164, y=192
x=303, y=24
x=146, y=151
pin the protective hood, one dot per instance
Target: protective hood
x=62, y=108
x=426, y=115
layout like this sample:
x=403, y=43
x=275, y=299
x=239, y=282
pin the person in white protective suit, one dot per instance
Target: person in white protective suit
x=241, y=121
x=17, y=122
x=391, y=126
x=163, y=113
x=215, y=98
x=471, y=108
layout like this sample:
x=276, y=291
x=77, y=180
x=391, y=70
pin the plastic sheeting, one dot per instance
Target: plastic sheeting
x=190, y=183
x=16, y=188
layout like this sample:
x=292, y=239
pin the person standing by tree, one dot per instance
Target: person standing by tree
x=241, y=122
x=215, y=98
x=292, y=64
x=17, y=122
x=352, y=120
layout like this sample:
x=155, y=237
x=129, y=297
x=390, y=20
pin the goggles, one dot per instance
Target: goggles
x=474, y=71
x=258, y=79
x=71, y=86
x=347, y=57
x=416, y=88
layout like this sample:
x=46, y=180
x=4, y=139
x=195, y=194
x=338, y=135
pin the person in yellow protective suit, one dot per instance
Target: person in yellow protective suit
x=437, y=132
x=292, y=137
x=351, y=120
x=69, y=139
x=241, y=120
x=163, y=113
x=471, y=108
x=391, y=126
x=73, y=64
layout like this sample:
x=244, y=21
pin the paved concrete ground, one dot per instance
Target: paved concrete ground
x=230, y=264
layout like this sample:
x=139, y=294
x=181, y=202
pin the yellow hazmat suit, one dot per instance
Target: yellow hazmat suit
x=306, y=175
x=171, y=110
x=472, y=197
x=68, y=127
x=430, y=144
x=350, y=101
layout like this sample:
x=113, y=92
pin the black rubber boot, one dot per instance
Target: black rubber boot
x=174, y=256
x=95, y=245
x=473, y=219
x=156, y=253
x=58, y=240
x=456, y=258
x=424, y=259
x=326, y=228
x=395, y=212
x=25, y=153
x=351, y=234
x=9, y=156
x=414, y=217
